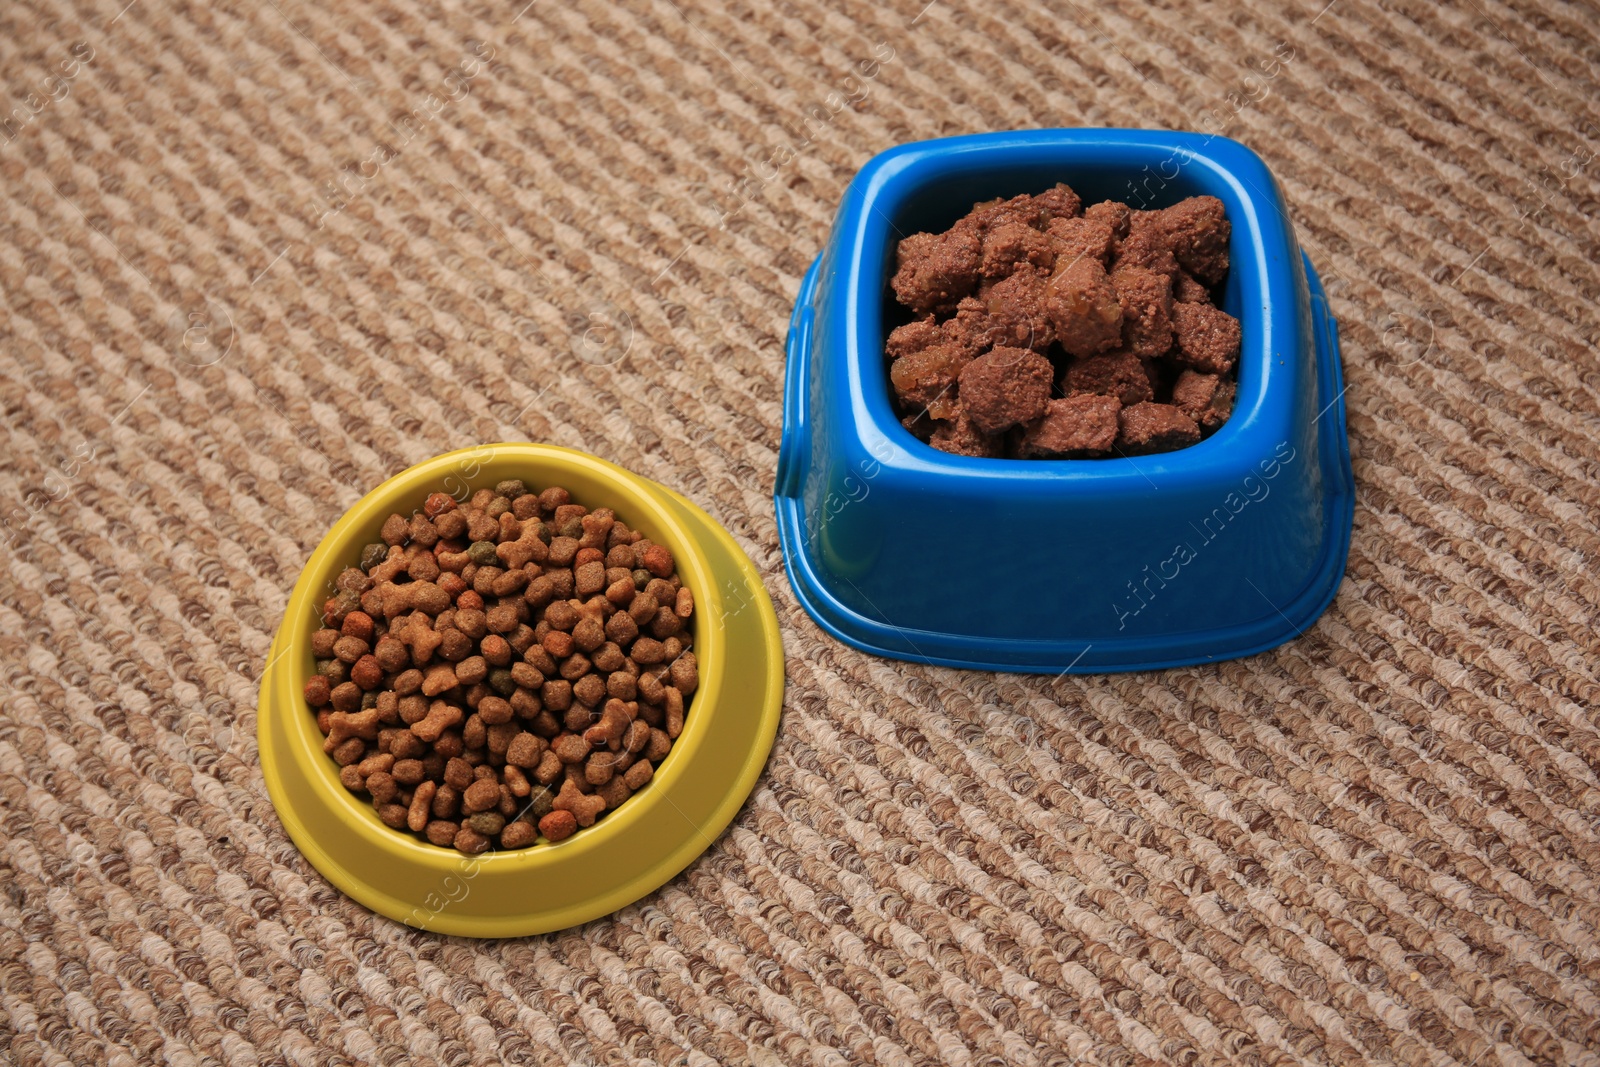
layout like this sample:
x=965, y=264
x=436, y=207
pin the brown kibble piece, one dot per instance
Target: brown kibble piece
x=1018, y=311
x=599, y=767
x=549, y=769
x=345, y=725
x=960, y=437
x=1113, y=214
x=317, y=691
x=585, y=807
x=515, y=780
x=638, y=774
x=924, y=377
x=1146, y=299
x=1004, y=388
x=589, y=578
x=395, y=530
x=636, y=737
x=382, y=786
x=407, y=771
x=366, y=672
x=647, y=651
x=589, y=634
x=1187, y=289
x=685, y=673
x=470, y=841
x=934, y=271
x=613, y=791
x=391, y=653
x=1120, y=374
x=912, y=337
x=1079, y=238
x=660, y=744
x=991, y=213
x=421, y=806
x=675, y=714
x=1208, y=338
x=525, y=750
x=571, y=748
x=558, y=825
x=441, y=717
x=657, y=560
x=439, y=678
x=1057, y=202
x=458, y=774
x=322, y=642
x=495, y=710
x=614, y=722
x=1078, y=426
x=1197, y=230
x=1084, y=309
x=1145, y=247
x=346, y=696
x=1205, y=398
x=481, y=795
x=1147, y=428
x=1011, y=246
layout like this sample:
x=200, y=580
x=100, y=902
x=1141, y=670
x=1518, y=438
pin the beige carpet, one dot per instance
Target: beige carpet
x=1379, y=844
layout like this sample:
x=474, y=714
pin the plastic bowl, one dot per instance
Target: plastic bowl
x=1222, y=549
x=629, y=852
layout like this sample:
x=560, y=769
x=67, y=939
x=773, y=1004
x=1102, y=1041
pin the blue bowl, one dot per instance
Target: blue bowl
x=1222, y=549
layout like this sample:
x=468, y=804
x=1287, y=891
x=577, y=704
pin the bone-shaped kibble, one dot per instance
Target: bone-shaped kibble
x=343, y=725
x=584, y=807
x=440, y=717
x=528, y=548
x=614, y=722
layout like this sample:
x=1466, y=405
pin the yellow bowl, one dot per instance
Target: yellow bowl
x=695, y=793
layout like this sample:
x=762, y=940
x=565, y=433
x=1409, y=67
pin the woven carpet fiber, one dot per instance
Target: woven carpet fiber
x=260, y=254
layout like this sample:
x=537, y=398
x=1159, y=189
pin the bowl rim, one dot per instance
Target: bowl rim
x=284, y=675
x=1261, y=241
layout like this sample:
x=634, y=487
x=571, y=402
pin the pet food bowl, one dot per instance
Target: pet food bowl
x=1222, y=549
x=627, y=853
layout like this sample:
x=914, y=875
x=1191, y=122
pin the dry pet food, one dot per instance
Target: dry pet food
x=505, y=669
x=1044, y=330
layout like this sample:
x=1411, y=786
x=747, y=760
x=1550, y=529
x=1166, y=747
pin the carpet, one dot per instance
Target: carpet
x=258, y=256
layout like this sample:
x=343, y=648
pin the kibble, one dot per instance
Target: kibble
x=1026, y=308
x=515, y=665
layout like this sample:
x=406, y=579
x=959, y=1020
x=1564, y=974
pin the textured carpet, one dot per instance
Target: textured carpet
x=259, y=254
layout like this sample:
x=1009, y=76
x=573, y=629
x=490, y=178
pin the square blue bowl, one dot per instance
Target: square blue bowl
x=1219, y=550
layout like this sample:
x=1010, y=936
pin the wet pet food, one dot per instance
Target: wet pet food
x=1043, y=330
x=503, y=670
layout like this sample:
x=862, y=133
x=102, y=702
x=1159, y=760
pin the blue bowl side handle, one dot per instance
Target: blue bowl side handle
x=1330, y=376
x=1338, y=475
x=797, y=372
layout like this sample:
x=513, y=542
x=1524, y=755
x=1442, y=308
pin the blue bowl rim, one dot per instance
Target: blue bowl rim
x=1256, y=422
x=1225, y=167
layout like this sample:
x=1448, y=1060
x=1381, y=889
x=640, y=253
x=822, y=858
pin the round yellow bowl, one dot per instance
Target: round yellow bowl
x=629, y=852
